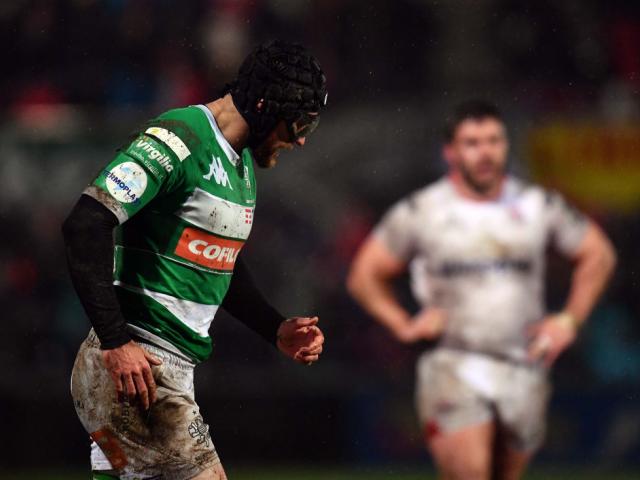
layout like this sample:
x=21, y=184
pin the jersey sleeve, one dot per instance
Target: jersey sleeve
x=567, y=225
x=147, y=167
x=395, y=230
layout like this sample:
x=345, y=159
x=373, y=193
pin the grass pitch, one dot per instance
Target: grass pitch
x=324, y=473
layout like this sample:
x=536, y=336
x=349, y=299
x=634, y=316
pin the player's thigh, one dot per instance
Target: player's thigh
x=213, y=473
x=457, y=420
x=445, y=401
x=465, y=454
x=522, y=411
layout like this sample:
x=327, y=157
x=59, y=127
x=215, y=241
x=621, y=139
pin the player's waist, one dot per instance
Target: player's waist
x=159, y=346
x=514, y=356
x=168, y=353
x=184, y=325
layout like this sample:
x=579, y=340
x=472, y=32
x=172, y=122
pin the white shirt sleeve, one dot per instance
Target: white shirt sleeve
x=567, y=225
x=396, y=230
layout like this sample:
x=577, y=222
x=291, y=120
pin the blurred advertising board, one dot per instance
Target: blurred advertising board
x=597, y=166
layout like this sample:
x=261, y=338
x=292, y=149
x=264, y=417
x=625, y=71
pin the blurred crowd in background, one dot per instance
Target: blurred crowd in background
x=79, y=75
x=155, y=53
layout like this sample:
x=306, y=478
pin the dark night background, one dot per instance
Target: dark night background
x=79, y=75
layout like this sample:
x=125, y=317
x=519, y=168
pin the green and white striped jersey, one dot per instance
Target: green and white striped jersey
x=185, y=201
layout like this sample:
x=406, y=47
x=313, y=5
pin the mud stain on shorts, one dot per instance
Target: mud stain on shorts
x=171, y=438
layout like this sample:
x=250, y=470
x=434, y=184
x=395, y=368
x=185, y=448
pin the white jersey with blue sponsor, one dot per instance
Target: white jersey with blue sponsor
x=482, y=261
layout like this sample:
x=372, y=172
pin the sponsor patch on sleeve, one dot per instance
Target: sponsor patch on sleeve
x=171, y=140
x=153, y=155
x=126, y=182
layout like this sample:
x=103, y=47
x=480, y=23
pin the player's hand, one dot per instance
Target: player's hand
x=551, y=337
x=428, y=324
x=130, y=369
x=300, y=338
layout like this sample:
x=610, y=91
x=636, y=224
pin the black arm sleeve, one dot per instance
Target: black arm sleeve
x=245, y=302
x=88, y=237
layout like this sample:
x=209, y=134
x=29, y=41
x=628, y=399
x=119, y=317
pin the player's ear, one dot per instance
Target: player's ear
x=260, y=105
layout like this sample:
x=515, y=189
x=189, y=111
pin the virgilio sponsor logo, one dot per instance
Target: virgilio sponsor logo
x=208, y=250
x=126, y=182
x=155, y=154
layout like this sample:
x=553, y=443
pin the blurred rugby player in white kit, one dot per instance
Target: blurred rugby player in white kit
x=475, y=243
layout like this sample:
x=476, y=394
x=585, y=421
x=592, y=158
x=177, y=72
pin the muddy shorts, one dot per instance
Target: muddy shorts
x=169, y=442
x=457, y=389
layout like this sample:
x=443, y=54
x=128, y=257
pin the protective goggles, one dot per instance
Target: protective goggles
x=303, y=125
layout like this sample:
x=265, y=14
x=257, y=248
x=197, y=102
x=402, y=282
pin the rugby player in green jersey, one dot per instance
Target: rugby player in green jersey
x=182, y=194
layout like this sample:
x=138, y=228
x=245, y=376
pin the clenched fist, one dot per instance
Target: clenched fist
x=301, y=339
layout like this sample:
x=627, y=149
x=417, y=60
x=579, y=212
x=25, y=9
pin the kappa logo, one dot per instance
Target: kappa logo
x=208, y=250
x=155, y=154
x=217, y=171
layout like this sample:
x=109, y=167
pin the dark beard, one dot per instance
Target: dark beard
x=262, y=158
x=480, y=188
x=264, y=161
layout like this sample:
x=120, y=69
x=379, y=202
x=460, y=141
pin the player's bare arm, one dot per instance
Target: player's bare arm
x=595, y=262
x=370, y=281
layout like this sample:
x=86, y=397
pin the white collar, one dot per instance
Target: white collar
x=224, y=143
